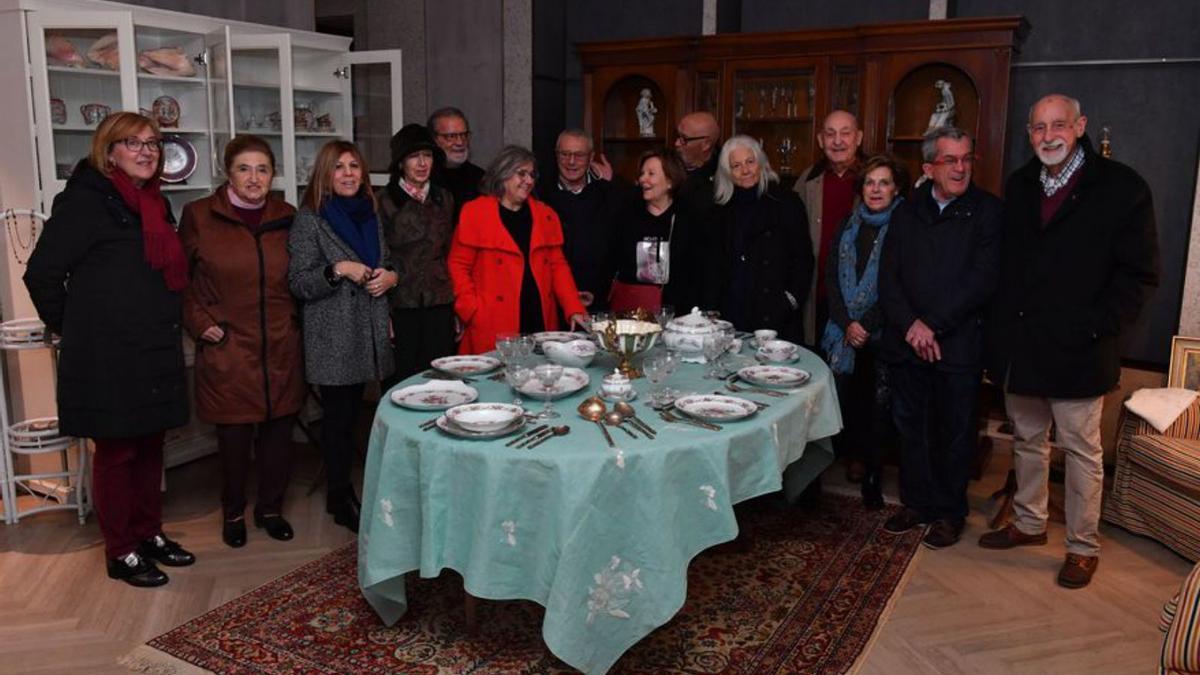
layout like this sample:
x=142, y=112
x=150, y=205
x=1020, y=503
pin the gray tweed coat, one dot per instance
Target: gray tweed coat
x=345, y=329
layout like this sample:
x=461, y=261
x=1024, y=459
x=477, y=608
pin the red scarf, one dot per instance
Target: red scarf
x=164, y=251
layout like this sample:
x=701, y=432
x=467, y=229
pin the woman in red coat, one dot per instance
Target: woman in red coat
x=506, y=260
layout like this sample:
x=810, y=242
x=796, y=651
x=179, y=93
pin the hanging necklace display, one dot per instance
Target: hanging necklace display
x=22, y=248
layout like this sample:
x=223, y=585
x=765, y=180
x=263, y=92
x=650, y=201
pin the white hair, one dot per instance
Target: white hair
x=723, y=190
x=1073, y=103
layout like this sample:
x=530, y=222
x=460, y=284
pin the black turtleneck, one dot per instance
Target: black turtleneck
x=519, y=224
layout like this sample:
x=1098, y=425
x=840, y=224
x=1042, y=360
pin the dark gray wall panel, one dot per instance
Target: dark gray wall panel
x=772, y=15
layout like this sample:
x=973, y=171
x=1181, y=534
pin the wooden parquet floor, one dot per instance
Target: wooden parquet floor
x=963, y=610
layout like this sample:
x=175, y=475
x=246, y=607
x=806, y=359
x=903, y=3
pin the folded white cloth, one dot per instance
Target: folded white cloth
x=1160, y=407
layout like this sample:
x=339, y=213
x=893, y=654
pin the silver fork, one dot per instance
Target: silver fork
x=741, y=389
x=671, y=417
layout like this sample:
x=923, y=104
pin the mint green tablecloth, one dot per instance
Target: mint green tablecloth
x=601, y=538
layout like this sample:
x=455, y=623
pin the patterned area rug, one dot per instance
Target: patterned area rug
x=799, y=592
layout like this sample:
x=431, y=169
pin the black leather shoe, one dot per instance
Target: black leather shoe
x=872, y=491
x=233, y=533
x=162, y=550
x=276, y=526
x=904, y=520
x=943, y=533
x=344, y=506
x=135, y=570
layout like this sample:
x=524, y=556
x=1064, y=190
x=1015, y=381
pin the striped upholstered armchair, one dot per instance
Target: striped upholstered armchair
x=1181, y=644
x=1156, y=486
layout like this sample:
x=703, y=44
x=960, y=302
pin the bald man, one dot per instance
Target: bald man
x=697, y=139
x=827, y=188
x=1080, y=258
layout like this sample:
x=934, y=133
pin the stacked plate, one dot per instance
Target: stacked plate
x=462, y=366
x=777, y=377
x=434, y=395
x=715, y=407
x=482, y=420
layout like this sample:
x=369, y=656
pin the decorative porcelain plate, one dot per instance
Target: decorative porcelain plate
x=450, y=428
x=774, y=376
x=435, y=395
x=715, y=407
x=483, y=418
x=466, y=365
x=179, y=159
x=572, y=380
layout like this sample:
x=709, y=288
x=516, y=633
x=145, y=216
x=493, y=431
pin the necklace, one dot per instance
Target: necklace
x=22, y=248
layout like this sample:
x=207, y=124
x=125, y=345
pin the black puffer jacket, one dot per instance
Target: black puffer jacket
x=120, y=371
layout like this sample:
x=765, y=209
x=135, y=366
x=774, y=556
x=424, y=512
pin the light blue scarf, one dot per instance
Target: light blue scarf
x=858, y=294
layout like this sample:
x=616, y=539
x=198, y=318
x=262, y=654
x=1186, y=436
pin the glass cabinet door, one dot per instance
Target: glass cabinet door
x=261, y=69
x=83, y=69
x=319, y=115
x=374, y=105
x=776, y=108
x=217, y=61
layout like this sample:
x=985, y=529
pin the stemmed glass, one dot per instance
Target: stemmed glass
x=713, y=346
x=665, y=314
x=507, y=347
x=673, y=359
x=524, y=347
x=548, y=374
x=656, y=371
x=517, y=374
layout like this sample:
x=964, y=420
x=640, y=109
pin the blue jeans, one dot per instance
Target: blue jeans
x=934, y=413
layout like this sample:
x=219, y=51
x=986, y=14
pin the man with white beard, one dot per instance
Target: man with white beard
x=1080, y=258
x=452, y=133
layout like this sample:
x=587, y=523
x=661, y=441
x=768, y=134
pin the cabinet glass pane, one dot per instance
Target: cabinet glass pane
x=776, y=107
x=172, y=91
x=317, y=77
x=218, y=69
x=372, y=109
x=257, y=99
x=85, y=86
x=845, y=89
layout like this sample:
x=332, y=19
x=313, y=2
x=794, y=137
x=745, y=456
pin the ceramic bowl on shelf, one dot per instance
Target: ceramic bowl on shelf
x=483, y=418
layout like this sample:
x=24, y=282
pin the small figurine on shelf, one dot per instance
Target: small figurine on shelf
x=944, y=111
x=740, y=112
x=1105, y=142
x=646, y=111
x=785, y=154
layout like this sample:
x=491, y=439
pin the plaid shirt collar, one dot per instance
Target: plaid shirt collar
x=1052, y=184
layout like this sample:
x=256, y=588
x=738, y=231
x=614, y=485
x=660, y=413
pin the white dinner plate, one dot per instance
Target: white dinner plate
x=435, y=395
x=782, y=377
x=715, y=407
x=572, y=380
x=557, y=336
x=477, y=364
x=446, y=426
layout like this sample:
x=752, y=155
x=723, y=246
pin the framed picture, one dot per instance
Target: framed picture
x=1185, y=363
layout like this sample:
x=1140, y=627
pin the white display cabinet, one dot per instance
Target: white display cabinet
x=296, y=89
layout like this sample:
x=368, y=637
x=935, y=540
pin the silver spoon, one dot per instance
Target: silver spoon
x=556, y=431
x=615, y=419
x=630, y=414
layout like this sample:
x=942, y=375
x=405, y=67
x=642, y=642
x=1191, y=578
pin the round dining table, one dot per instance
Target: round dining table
x=600, y=536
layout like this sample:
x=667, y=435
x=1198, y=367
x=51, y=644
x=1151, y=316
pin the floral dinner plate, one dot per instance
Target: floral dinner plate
x=466, y=365
x=715, y=407
x=448, y=427
x=774, y=376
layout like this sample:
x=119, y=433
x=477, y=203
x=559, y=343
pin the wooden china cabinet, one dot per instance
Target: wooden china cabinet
x=777, y=87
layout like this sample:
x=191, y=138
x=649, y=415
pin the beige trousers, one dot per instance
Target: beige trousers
x=1078, y=433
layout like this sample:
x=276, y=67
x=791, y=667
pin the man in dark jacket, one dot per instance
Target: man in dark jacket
x=457, y=174
x=587, y=199
x=1080, y=258
x=939, y=270
x=697, y=143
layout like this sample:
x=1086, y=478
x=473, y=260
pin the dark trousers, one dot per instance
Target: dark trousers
x=865, y=397
x=126, y=491
x=340, y=404
x=272, y=457
x=422, y=335
x=935, y=416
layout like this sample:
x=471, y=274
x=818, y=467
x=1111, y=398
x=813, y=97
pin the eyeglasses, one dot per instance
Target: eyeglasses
x=950, y=160
x=525, y=173
x=684, y=140
x=456, y=136
x=1057, y=126
x=568, y=156
x=135, y=144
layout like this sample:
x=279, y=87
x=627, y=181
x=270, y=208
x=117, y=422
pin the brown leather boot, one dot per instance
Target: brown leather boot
x=1077, y=570
x=1009, y=536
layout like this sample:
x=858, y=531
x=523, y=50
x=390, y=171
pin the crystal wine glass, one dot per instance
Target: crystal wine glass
x=506, y=347
x=656, y=371
x=525, y=345
x=713, y=346
x=665, y=314
x=548, y=374
x=517, y=375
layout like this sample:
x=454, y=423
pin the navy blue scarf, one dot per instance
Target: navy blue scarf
x=354, y=220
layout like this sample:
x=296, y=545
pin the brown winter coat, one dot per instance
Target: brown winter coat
x=240, y=283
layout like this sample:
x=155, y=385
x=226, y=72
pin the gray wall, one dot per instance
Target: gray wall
x=296, y=14
x=1151, y=110
x=773, y=15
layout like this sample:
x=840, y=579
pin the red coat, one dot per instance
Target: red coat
x=486, y=268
